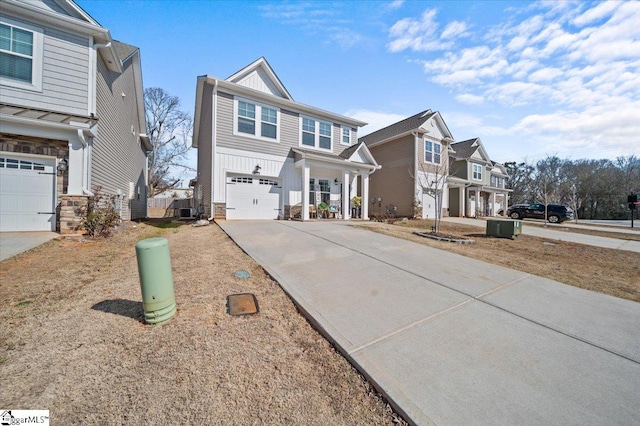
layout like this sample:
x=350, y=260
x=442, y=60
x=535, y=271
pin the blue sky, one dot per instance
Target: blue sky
x=530, y=79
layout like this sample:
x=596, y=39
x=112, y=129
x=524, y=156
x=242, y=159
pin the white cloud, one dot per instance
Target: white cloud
x=454, y=29
x=469, y=99
x=376, y=119
x=416, y=34
x=578, y=65
x=396, y=4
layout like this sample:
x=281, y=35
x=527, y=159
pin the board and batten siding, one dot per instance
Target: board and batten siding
x=65, y=75
x=394, y=181
x=118, y=157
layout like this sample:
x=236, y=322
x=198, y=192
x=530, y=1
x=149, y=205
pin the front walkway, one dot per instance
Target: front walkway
x=452, y=340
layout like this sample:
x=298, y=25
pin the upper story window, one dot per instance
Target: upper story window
x=432, y=152
x=345, y=138
x=257, y=120
x=315, y=134
x=497, y=181
x=20, y=55
x=477, y=172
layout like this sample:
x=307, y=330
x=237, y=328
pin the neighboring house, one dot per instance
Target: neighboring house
x=175, y=193
x=71, y=117
x=261, y=155
x=476, y=184
x=413, y=156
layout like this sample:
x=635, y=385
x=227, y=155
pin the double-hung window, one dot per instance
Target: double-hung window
x=477, y=172
x=315, y=133
x=345, y=138
x=432, y=152
x=254, y=119
x=20, y=55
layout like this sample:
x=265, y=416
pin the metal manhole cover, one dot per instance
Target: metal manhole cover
x=242, y=304
x=241, y=273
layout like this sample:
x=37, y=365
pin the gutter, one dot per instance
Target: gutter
x=214, y=108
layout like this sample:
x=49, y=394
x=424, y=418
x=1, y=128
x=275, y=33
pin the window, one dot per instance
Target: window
x=246, y=118
x=432, y=152
x=497, y=182
x=254, y=119
x=242, y=180
x=323, y=188
x=316, y=134
x=477, y=172
x=20, y=55
x=10, y=163
x=346, y=136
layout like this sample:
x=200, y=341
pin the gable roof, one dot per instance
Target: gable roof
x=350, y=159
x=260, y=76
x=415, y=123
x=465, y=149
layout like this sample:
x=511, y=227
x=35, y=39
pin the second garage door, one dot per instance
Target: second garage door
x=251, y=197
x=27, y=194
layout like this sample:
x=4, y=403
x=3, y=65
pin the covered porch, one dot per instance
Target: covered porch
x=330, y=182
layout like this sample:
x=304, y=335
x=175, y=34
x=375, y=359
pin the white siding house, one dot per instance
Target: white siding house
x=261, y=155
x=71, y=117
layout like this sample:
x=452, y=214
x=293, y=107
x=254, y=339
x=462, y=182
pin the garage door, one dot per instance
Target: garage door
x=428, y=206
x=251, y=197
x=27, y=194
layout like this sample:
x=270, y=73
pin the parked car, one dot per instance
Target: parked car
x=501, y=211
x=556, y=213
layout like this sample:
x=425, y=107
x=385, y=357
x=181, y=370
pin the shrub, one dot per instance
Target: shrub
x=100, y=217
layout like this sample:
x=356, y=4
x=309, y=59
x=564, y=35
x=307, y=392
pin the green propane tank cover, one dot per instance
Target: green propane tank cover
x=156, y=279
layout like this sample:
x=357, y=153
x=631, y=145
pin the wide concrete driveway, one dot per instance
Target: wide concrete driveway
x=13, y=243
x=451, y=340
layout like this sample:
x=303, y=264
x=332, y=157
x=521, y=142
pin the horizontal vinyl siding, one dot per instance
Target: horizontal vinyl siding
x=393, y=182
x=65, y=79
x=118, y=157
x=227, y=139
x=204, y=150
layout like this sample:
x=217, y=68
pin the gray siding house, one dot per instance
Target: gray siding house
x=71, y=117
x=413, y=155
x=262, y=155
x=476, y=184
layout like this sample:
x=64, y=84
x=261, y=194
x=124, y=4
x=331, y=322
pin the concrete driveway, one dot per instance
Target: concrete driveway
x=451, y=340
x=12, y=243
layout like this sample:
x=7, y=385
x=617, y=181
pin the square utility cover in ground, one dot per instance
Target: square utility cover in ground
x=242, y=304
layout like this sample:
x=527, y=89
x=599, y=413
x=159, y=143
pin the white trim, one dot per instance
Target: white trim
x=316, y=133
x=257, y=120
x=37, y=57
x=92, y=72
x=342, y=129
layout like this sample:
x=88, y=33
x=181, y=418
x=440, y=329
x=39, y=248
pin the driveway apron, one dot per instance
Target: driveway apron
x=452, y=340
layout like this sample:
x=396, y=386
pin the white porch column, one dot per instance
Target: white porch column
x=306, y=174
x=365, y=196
x=346, y=213
x=493, y=204
x=463, y=201
x=354, y=186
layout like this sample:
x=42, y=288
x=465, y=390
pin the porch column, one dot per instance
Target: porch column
x=306, y=174
x=354, y=186
x=346, y=214
x=365, y=196
x=463, y=202
x=493, y=204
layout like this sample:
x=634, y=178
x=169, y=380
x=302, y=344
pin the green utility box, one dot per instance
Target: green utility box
x=156, y=280
x=504, y=228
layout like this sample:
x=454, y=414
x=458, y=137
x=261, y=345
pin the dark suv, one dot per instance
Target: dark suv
x=556, y=213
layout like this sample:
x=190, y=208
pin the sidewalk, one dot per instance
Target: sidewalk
x=553, y=232
x=451, y=340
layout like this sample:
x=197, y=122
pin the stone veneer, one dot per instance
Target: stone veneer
x=220, y=211
x=70, y=213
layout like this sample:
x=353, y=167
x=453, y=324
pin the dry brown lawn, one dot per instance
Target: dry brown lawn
x=613, y=272
x=72, y=341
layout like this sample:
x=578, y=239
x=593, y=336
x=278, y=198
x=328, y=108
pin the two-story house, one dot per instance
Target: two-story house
x=476, y=184
x=71, y=117
x=262, y=155
x=413, y=154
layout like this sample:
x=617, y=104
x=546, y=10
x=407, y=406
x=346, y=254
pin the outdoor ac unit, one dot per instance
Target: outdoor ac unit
x=187, y=212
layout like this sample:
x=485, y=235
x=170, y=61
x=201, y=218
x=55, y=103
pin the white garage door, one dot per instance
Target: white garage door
x=27, y=194
x=428, y=206
x=251, y=197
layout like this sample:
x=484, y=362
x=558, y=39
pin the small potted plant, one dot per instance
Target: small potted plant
x=356, y=203
x=323, y=209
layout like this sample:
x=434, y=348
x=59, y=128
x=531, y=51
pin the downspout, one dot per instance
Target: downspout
x=214, y=109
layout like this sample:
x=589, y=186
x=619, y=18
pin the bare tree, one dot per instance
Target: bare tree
x=169, y=130
x=433, y=181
